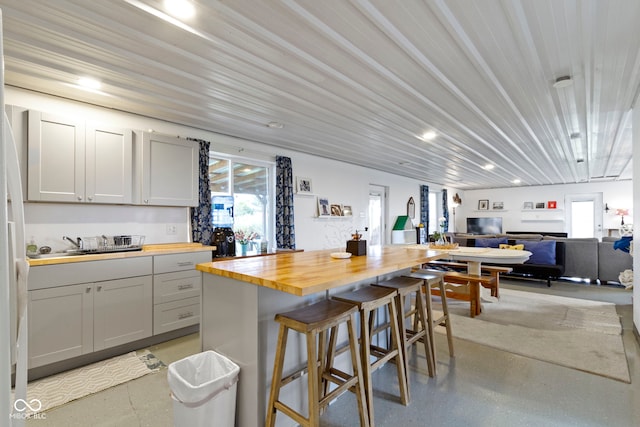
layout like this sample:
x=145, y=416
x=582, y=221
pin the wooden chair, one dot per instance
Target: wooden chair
x=368, y=299
x=314, y=321
x=432, y=278
x=409, y=287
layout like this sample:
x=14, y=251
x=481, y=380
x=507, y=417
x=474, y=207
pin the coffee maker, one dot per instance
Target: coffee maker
x=225, y=242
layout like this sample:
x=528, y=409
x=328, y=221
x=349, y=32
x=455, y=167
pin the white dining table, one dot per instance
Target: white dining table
x=474, y=258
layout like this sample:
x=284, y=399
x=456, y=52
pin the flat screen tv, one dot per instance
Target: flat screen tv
x=491, y=225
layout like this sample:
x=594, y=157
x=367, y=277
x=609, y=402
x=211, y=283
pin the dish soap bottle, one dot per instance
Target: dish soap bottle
x=32, y=248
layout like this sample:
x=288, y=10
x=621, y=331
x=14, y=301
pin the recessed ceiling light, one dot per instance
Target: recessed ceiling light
x=563, y=81
x=516, y=181
x=181, y=9
x=428, y=136
x=89, y=83
x=488, y=166
x=275, y=125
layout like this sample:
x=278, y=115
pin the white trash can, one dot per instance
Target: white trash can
x=203, y=389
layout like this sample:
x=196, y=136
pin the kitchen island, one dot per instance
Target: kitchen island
x=241, y=297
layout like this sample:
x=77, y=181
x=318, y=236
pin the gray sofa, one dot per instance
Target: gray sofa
x=585, y=258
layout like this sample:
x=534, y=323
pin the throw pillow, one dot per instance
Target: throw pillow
x=542, y=252
x=494, y=242
x=512, y=247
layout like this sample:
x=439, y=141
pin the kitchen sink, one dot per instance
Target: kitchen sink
x=55, y=255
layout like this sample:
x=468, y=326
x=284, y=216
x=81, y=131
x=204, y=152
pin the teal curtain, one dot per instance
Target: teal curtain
x=285, y=230
x=201, y=217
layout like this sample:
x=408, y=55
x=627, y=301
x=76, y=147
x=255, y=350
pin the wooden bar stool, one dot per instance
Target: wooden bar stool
x=435, y=278
x=368, y=299
x=411, y=287
x=314, y=321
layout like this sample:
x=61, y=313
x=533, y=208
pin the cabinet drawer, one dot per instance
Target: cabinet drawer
x=175, y=315
x=179, y=262
x=176, y=286
x=49, y=276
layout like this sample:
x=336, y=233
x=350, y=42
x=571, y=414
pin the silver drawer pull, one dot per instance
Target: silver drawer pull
x=185, y=315
x=185, y=263
x=183, y=287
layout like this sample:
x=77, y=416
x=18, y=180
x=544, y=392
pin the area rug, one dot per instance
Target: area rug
x=575, y=333
x=50, y=392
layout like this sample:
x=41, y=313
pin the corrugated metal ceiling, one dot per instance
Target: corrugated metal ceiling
x=360, y=81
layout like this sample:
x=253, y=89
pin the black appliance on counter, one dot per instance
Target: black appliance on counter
x=225, y=242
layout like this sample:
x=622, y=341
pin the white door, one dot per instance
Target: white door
x=377, y=215
x=584, y=215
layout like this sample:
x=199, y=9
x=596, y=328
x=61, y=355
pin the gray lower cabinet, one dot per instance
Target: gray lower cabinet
x=70, y=321
x=79, y=308
x=176, y=290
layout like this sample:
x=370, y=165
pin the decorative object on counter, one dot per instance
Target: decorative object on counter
x=244, y=239
x=440, y=237
x=357, y=247
x=340, y=255
x=483, y=205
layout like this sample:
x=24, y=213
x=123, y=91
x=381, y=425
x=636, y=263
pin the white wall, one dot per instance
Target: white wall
x=340, y=182
x=615, y=194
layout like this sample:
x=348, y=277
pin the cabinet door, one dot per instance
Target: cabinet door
x=169, y=171
x=60, y=323
x=56, y=157
x=123, y=311
x=109, y=164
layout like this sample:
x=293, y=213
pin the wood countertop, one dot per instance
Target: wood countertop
x=310, y=272
x=147, y=250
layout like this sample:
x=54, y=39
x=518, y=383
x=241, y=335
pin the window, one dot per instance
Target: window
x=249, y=183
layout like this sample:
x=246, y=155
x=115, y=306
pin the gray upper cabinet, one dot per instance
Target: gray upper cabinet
x=55, y=158
x=168, y=170
x=69, y=161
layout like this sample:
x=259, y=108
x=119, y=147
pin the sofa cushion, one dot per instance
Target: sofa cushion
x=542, y=252
x=494, y=242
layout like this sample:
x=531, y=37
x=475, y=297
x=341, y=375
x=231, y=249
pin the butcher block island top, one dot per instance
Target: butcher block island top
x=310, y=272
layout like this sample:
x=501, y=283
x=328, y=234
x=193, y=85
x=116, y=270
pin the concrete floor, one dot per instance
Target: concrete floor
x=479, y=387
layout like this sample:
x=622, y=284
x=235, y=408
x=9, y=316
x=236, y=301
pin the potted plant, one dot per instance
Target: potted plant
x=243, y=238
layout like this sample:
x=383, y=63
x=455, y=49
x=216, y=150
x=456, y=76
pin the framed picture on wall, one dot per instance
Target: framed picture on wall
x=483, y=205
x=540, y=205
x=303, y=185
x=527, y=205
x=346, y=210
x=336, y=210
x=323, y=207
x=498, y=205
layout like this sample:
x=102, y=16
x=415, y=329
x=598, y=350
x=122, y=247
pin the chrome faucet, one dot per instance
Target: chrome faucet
x=77, y=243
